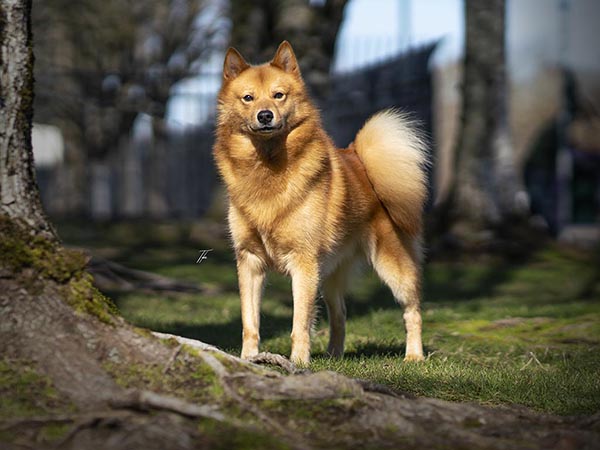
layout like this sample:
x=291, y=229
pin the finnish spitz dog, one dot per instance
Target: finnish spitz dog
x=301, y=206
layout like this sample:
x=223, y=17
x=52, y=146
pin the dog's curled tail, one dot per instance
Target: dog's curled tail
x=395, y=159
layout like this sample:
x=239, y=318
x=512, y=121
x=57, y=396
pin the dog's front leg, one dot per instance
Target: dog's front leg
x=251, y=277
x=305, y=282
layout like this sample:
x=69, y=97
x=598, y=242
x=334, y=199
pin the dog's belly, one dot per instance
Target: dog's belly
x=344, y=254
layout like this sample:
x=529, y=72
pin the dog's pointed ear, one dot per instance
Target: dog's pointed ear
x=285, y=59
x=234, y=64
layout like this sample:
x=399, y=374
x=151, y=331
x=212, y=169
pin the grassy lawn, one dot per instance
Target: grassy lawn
x=523, y=332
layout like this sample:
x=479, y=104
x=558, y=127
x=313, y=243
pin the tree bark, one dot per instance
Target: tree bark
x=483, y=80
x=486, y=190
x=19, y=196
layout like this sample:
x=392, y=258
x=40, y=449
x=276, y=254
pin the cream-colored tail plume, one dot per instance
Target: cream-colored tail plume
x=395, y=157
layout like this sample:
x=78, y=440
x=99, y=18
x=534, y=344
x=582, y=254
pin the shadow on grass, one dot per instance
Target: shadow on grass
x=370, y=349
x=376, y=349
x=457, y=284
x=226, y=335
x=441, y=284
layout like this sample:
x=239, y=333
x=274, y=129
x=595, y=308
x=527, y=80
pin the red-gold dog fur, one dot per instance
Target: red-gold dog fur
x=302, y=207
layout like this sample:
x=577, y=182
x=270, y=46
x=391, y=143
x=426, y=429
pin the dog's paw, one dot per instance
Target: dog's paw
x=300, y=359
x=249, y=353
x=414, y=358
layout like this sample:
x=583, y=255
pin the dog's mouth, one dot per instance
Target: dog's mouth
x=266, y=129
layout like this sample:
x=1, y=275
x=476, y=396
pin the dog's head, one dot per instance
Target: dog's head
x=263, y=101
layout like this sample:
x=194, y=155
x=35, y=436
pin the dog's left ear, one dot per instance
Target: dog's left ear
x=233, y=65
x=285, y=59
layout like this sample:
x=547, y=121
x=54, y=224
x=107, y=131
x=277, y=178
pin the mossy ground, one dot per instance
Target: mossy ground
x=496, y=331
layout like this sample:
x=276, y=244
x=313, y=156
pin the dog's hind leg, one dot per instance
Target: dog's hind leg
x=397, y=261
x=333, y=293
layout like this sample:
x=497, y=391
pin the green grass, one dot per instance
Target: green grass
x=523, y=332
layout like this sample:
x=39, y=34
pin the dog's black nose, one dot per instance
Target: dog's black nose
x=264, y=116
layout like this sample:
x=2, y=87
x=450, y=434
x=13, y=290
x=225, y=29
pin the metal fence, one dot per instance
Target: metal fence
x=401, y=82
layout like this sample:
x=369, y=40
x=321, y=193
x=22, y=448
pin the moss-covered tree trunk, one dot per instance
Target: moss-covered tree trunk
x=19, y=197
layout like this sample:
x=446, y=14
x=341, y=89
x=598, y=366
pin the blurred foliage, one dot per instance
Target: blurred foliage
x=98, y=64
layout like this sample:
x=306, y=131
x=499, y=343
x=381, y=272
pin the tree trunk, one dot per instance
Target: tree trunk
x=19, y=197
x=486, y=190
x=483, y=85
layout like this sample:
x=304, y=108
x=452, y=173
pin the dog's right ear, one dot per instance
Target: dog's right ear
x=234, y=64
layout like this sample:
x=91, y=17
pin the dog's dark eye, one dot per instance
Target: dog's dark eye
x=247, y=98
x=278, y=95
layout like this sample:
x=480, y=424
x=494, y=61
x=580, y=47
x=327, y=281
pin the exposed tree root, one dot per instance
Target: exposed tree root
x=273, y=359
x=246, y=405
x=172, y=358
x=111, y=276
x=146, y=401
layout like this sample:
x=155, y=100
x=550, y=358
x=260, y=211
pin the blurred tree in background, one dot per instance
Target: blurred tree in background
x=100, y=64
x=310, y=26
x=486, y=192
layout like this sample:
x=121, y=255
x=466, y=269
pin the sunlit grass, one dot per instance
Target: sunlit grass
x=524, y=332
